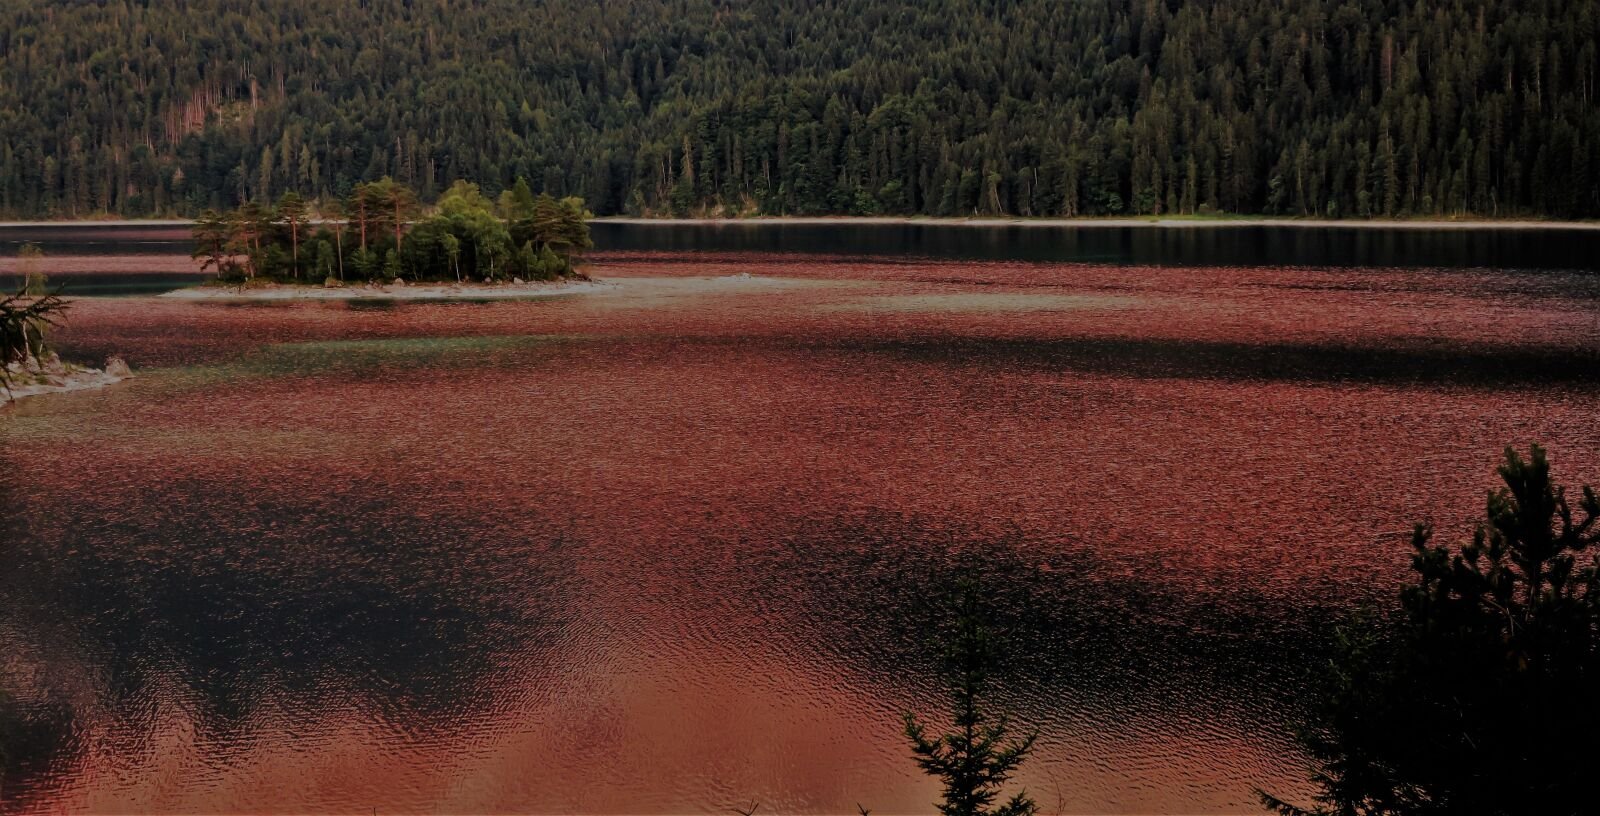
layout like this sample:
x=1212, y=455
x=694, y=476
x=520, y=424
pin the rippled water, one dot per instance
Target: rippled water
x=674, y=547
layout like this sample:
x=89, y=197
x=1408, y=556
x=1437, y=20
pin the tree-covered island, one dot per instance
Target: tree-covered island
x=382, y=232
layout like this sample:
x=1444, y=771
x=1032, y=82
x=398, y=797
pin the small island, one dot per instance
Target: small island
x=381, y=242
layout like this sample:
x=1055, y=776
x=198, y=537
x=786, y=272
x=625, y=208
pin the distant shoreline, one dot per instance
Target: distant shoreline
x=1486, y=224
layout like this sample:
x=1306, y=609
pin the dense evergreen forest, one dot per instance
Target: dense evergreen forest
x=1343, y=108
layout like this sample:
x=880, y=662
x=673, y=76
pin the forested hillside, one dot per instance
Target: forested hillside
x=1340, y=108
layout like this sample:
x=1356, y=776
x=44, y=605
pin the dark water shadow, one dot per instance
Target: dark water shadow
x=1466, y=366
x=361, y=605
x=1081, y=640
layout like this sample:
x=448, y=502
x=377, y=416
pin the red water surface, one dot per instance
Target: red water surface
x=668, y=547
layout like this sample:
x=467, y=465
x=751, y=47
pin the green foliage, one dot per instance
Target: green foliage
x=467, y=236
x=391, y=265
x=292, y=212
x=452, y=252
x=528, y=261
x=1483, y=701
x=365, y=263
x=517, y=203
x=247, y=226
x=23, y=321
x=214, y=244
x=977, y=757
x=553, y=234
x=389, y=204
x=1033, y=107
x=327, y=267
x=550, y=265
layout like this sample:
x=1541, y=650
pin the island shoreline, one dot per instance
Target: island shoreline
x=407, y=291
x=58, y=378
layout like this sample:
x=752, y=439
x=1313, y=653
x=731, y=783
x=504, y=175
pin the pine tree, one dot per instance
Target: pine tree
x=212, y=235
x=249, y=223
x=292, y=211
x=397, y=201
x=1481, y=701
x=977, y=758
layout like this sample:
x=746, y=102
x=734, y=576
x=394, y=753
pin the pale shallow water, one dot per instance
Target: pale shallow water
x=673, y=548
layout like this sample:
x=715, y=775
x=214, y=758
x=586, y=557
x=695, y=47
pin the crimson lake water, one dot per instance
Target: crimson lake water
x=675, y=546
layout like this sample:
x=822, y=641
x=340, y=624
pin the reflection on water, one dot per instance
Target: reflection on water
x=673, y=547
x=96, y=256
x=154, y=238
x=1176, y=246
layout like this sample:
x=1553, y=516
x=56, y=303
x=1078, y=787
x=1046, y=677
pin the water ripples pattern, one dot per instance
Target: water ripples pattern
x=676, y=546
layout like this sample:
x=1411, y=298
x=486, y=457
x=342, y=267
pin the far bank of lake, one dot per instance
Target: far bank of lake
x=120, y=257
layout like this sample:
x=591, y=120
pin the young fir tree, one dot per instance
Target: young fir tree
x=1483, y=702
x=366, y=264
x=391, y=266
x=976, y=758
x=327, y=266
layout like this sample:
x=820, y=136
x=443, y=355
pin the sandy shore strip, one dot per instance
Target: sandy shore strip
x=453, y=291
x=624, y=286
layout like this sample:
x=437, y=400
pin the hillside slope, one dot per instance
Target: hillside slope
x=944, y=107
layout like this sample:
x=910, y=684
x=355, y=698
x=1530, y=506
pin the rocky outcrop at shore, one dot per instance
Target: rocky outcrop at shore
x=51, y=376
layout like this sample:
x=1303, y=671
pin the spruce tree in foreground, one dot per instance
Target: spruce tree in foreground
x=1485, y=700
x=977, y=757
